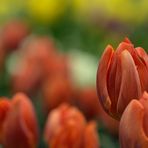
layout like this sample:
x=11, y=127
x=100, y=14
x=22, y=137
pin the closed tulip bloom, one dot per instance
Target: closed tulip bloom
x=20, y=127
x=66, y=127
x=121, y=77
x=4, y=109
x=133, y=131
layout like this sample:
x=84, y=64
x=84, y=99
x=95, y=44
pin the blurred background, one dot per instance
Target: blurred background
x=50, y=50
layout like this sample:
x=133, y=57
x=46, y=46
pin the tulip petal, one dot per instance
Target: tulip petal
x=131, y=132
x=91, y=136
x=102, y=77
x=125, y=46
x=126, y=40
x=113, y=82
x=4, y=109
x=130, y=83
x=142, y=71
x=20, y=129
x=144, y=101
x=143, y=55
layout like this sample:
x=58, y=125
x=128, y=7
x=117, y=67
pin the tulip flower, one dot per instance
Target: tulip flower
x=4, y=109
x=67, y=127
x=133, y=131
x=13, y=33
x=2, y=54
x=121, y=77
x=28, y=71
x=20, y=126
x=56, y=91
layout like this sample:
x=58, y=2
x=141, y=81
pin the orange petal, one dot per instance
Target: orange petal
x=124, y=46
x=4, y=109
x=143, y=55
x=143, y=72
x=131, y=127
x=126, y=40
x=102, y=77
x=144, y=101
x=114, y=82
x=91, y=139
x=20, y=129
x=64, y=127
x=130, y=83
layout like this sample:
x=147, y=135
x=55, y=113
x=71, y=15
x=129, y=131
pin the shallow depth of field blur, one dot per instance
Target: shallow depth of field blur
x=50, y=49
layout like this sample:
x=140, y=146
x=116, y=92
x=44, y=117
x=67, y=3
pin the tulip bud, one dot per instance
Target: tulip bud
x=121, y=77
x=67, y=127
x=133, y=131
x=20, y=127
x=4, y=109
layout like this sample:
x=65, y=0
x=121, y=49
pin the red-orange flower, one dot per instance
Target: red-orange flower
x=121, y=77
x=67, y=127
x=20, y=127
x=56, y=91
x=13, y=33
x=4, y=109
x=30, y=69
x=134, y=124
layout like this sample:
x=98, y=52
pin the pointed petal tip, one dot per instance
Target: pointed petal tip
x=126, y=39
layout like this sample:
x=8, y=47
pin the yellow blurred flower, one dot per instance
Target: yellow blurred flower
x=132, y=11
x=126, y=11
x=46, y=10
x=9, y=8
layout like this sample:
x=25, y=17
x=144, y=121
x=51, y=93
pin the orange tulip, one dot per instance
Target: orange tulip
x=90, y=136
x=133, y=131
x=30, y=70
x=20, y=127
x=13, y=34
x=2, y=54
x=4, y=109
x=66, y=127
x=56, y=91
x=121, y=77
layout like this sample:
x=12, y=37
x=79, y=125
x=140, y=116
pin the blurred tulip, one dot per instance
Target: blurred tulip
x=121, y=77
x=2, y=54
x=87, y=101
x=4, y=109
x=134, y=124
x=13, y=33
x=29, y=69
x=57, y=65
x=20, y=127
x=67, y=127
x=56, y=91
x=90, y=136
